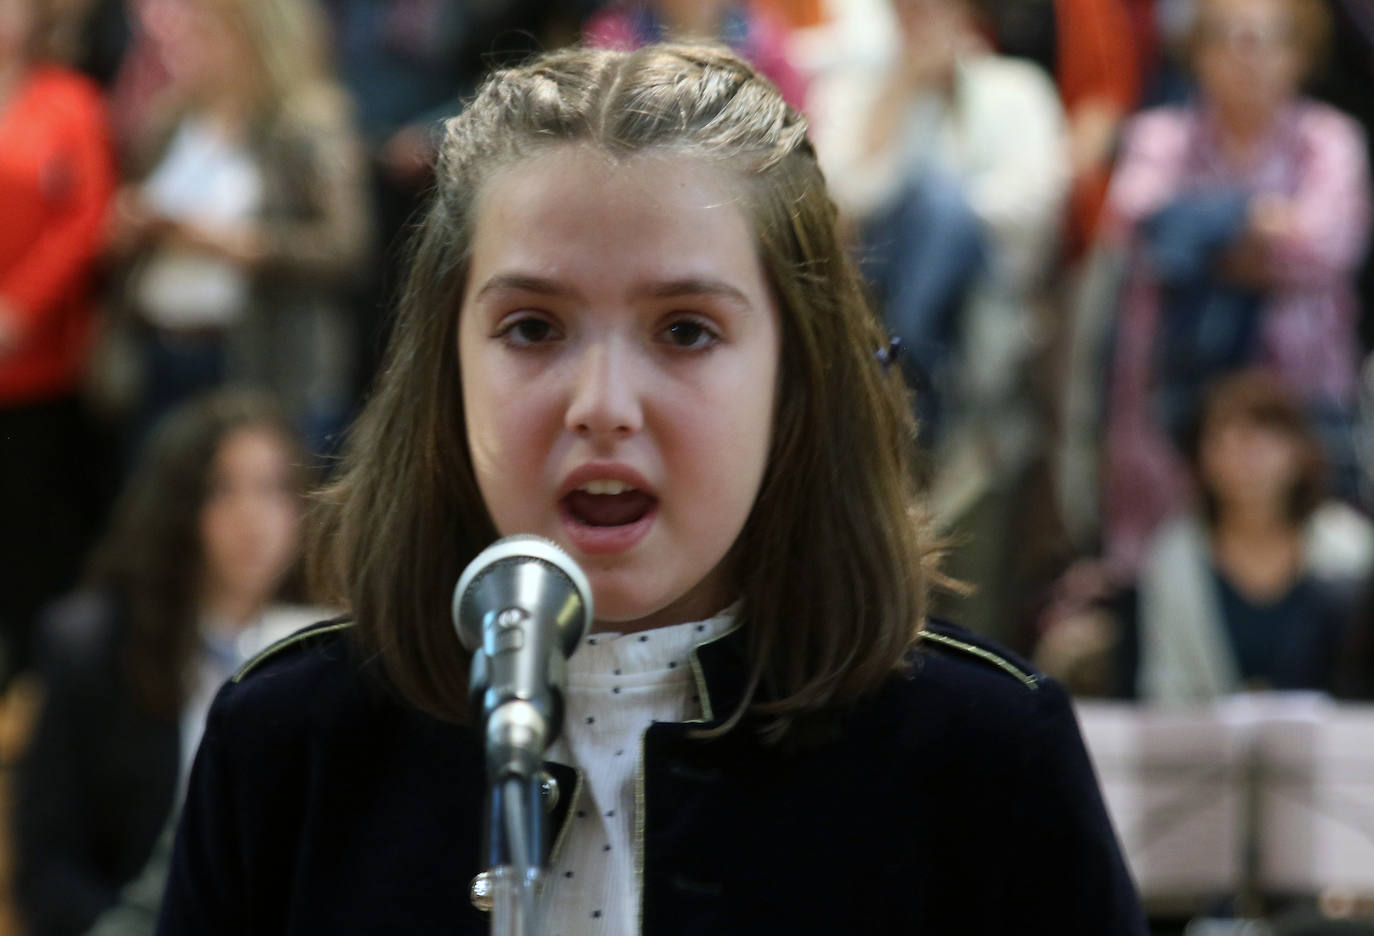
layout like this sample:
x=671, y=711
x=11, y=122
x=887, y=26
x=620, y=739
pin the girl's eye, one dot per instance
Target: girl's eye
x=528, y=331
x=689, y=334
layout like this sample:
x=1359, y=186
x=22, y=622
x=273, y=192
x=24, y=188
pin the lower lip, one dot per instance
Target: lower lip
x=606, y=540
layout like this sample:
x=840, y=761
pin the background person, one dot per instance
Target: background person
x=248, y=218
x=1254, y=588
x=56, y=178
x=1246, y=212
x=952, y=162
x=182, y=588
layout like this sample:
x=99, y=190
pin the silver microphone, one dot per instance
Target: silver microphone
x=521, y=608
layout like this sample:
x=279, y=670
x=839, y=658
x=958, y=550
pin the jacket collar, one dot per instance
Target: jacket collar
x=720, y=667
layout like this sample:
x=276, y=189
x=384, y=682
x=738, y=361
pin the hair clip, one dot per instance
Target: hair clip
x=889, y=355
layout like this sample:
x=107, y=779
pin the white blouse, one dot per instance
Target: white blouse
x=618, y=685
x=213, y=181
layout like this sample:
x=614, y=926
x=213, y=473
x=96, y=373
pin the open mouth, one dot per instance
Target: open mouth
x=607, y=504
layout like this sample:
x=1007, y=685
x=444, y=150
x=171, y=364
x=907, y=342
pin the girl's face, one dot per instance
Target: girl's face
x=1246, y=462
x=619, y=348
x=250, y=522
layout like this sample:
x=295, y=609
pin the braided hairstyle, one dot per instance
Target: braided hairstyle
x=833, y=562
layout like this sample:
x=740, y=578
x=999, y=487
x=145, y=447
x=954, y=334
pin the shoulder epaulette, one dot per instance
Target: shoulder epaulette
x=1028, y=679
x=292, y=640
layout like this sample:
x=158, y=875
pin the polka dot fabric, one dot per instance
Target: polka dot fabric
x=618, y=685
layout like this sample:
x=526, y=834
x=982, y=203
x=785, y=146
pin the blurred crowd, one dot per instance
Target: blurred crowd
x=1120, y=246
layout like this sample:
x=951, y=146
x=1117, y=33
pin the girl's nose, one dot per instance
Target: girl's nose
x=604, y=402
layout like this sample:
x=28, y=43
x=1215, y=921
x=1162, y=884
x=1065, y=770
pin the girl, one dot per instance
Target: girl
x=630, y=327
x=1253, y=589
x=182, y=589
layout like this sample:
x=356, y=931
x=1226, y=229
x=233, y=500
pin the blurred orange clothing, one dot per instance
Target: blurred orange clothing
x=1099, y=55
x=796, y=13
x=57, y=177
x=1099, y=64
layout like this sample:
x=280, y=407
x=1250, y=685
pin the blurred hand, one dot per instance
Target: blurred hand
x=925, y=63
x=1272, y=217
x=240, y=244
x=132, y=223
x=408, y=156
x=9, y=329
x=1247, y=263
x=1079, y=652
x=934, y=37
x=1092, y=135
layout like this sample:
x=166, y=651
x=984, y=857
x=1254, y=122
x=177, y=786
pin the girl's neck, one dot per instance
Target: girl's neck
x=694, y=612
x=1258, y=550
x=234, y=612
x=1254, y=516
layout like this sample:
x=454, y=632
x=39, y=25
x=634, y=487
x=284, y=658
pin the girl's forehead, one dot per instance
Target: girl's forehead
x=578, y=175
x=577, y=206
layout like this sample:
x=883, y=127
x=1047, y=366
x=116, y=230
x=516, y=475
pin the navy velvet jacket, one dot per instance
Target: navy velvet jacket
x=959, y=799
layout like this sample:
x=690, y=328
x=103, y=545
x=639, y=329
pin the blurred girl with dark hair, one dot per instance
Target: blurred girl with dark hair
x=184, y=586
x=1253, y=589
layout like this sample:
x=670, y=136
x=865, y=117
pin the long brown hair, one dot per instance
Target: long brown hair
x=832, y=563
x=150, y=557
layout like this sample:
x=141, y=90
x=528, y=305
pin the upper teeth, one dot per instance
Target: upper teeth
x=606, y=487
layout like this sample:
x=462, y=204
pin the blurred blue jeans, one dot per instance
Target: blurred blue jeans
x=921, y=254
x=1207, y=327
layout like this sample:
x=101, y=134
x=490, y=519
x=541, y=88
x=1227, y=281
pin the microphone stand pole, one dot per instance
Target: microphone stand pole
x=515, y=820
x=516, y=733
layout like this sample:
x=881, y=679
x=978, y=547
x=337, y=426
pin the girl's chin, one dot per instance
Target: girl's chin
x=626, y=620
x=620, y=613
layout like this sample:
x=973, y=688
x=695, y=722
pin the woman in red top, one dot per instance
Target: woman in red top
x=56, y=178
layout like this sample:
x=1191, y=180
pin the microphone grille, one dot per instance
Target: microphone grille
x=511, y=554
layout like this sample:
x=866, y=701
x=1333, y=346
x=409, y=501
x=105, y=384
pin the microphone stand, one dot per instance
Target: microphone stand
x=515, y=824
x=516, y=850
x=520, y=608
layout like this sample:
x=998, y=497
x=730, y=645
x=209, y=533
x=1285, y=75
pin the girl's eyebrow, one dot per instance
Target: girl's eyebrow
x=524, y=282
x=687, y=286
x=691, y=286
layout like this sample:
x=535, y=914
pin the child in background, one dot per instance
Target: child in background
x=1252, y=588
x=185, y=586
